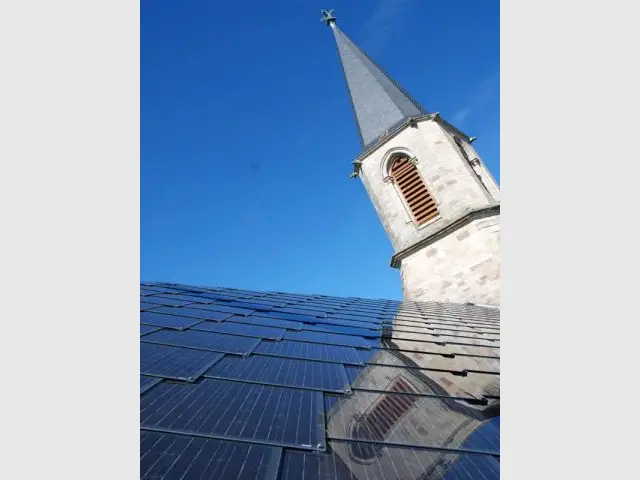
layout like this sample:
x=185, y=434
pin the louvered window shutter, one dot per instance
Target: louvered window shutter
x=416, y=195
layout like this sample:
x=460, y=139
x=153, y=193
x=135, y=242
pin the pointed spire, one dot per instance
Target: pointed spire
x=379, y=103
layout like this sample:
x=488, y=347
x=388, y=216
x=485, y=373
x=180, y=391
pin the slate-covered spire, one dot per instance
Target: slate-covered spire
x=380, y=104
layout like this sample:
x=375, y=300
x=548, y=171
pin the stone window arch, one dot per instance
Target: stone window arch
x=412, y=189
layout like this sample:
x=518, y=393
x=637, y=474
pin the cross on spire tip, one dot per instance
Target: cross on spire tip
x=328, y=17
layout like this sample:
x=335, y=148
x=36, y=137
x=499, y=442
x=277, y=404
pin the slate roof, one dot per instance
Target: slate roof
x=268, y=385
x=380, y=104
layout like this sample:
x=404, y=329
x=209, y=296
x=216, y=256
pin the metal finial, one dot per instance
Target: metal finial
x=328, y=17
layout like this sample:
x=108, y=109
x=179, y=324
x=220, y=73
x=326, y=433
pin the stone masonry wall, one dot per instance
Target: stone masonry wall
x=450, y=179
x=461, y=267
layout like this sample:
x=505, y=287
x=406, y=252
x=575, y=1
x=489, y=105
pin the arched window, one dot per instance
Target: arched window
x=415, y=193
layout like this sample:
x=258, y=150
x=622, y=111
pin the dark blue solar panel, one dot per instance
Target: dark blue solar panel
x=254, y=393
x=152, y=290
x=270, y=302
x=350, y=323
x=295, y=317
x=467, y=467
x=147, y=382
x=223, y=308
x=326, y=338
x=485, y=437
x=169, y=456
x=147, y=305
x=235, y=410
x=144, y=329
x=357, y=461
x=356, y=317
x=360, y=332
x=308, y=312
x=243, y=329
x=288, y=372
x=251, y=306
x=268, y=322
x=173, y=362
x=367, y=310
x=168, y=300
x=225, y=297
x=193, y=313
x=170, y=321
x=191, y=297
x=216, y=342
x=310, y=351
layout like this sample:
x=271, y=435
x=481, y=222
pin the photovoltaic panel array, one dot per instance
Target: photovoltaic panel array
x=166, y=455
x=247, y=384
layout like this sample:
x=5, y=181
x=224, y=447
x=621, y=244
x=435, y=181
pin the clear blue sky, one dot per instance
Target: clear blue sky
x=247, y=136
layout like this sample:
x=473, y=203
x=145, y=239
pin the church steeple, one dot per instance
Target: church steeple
x=379, y=103
x=437, y=201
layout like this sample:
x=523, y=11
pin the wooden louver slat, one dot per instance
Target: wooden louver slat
x=415, y=192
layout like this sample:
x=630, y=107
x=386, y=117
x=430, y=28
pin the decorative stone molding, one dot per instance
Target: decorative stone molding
x=390, y=156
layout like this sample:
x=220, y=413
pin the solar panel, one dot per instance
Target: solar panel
x=174, y=362
x=356, y=317
x=419, y=381
x=169, y=300
x=400, y=419
x=331, y=320
x=356, y=461
x=243, y=329
x=304, y=311
x=146, y=305
x=237, y=411
x=327, y=338
x=147, y=382
x=288, y=372
x=309, y=351
x=222, y=308
x=362, y=310
x=170, y=321
x=445, y=333
x=268, y=322
x=217, y=296
x=192, y=298
x=492, y=351
x=216, y=342
x=144, y=329
x=429, y=360
x=250, y=306
x=310, y=372
x=152, y=290
x=193, y=313
x=169, y=456
x=294, y=317
x=360, y=332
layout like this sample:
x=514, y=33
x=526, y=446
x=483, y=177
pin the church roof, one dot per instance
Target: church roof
x=380, y=104
x=269, y=385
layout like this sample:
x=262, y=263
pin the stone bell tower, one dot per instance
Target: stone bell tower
x=439, y=204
